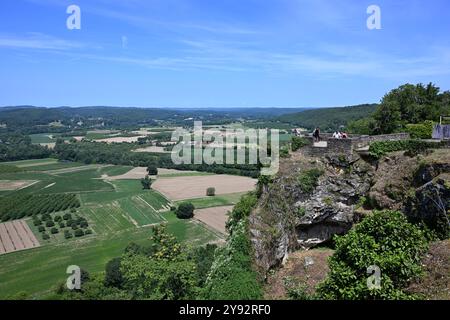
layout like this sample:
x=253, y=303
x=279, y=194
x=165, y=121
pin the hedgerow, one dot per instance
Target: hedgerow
x=381, y=148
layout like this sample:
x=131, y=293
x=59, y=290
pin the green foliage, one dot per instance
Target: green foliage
x=203, y=258
x=410, y=104
x=152, y=170
x=242, y=209
x=146, y=183
x=167, y=274
x=211, y=192
x=113, y=275
x=420, y=130
x=385, y=239
x=380, y=148
x=185, y=210
x=364, y=126
x=307, y=180
x=5, y=168
x=298, y=142
x=328, y=119
x=78, y=233
x=301, y=211
x=15, y=146
x=17, y=206
x=232, y=276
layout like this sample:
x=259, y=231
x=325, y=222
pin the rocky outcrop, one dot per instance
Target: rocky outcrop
x=289, y=218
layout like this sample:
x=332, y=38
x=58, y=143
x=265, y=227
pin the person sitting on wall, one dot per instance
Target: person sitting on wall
x=337, y=135
x=344, y=135
x=316, y=134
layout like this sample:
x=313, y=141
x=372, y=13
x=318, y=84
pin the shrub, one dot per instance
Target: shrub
x=62, y=225
x=298, y=142
x=307, y=180
x=45, y=236
x=84, y=224
x=380, y=148
x=49, y=224
x=57, y=218
x=88, y=231
x=185, y=210
x=384, y=239
x=79, y=233
x=67, y=216
x=41, y=229
x=54, y=231
x=421, y=130
x=211, y=192
x=74, y=226
x=37, y=222
x=113, y=275
x=152, y=170
x=67, y=234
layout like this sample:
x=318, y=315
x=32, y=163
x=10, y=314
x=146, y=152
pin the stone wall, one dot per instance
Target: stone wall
x=330, y=146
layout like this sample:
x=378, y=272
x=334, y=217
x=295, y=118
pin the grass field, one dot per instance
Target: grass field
x=118, y=212
x=216, y=201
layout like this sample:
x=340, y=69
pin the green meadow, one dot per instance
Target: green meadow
x=119, y=212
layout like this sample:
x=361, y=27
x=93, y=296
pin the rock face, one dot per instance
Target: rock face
x=289, y=218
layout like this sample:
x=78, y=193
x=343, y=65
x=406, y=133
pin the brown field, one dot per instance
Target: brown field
x=189, y=187
x=120, y=139
x=6, y=185
x=16, y=235
x=154, y=149
x=140, y=172
x=50, y=145
x=215, y=217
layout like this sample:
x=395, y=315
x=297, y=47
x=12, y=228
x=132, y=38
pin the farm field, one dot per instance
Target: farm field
x=118, y=212
x=15, y=236
x=215, y=217
x=180, y=188
x=215, y=201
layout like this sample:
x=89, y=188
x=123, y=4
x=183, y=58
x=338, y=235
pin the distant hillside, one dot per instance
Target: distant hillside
x=328, y=119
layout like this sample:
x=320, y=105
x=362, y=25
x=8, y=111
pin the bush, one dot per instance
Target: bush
x=67, y=234
x=49, y=224
x=37, y=222
x=384, y=239
x=45, y=236
x=79, y=233
x=298, y=142
x=54, y=231
x=380, y=148
x=152, y=170
x=185, y=210
x=41, y=229
x=62, y=225
x=88, y=231
x=74, y=226
x=307, y=180
x=67, y=216
x=420, y=131
x=57, y=219
x=211, y=192
x=84, y=224
x=113, y=275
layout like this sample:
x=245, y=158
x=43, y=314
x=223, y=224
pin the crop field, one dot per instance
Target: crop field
x=215, y=217
x=15, y=236
x=180, y=188
x=117, y=211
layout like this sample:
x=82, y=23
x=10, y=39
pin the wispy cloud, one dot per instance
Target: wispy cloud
x=38, y=41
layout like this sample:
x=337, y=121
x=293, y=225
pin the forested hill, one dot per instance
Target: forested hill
x=328, y=119
x=21, y=117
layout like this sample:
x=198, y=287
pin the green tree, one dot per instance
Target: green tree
x=152, y=170
x=146, y=183
x=185, y=210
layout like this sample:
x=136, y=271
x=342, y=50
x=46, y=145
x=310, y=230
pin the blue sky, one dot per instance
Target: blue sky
x=227, y=53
